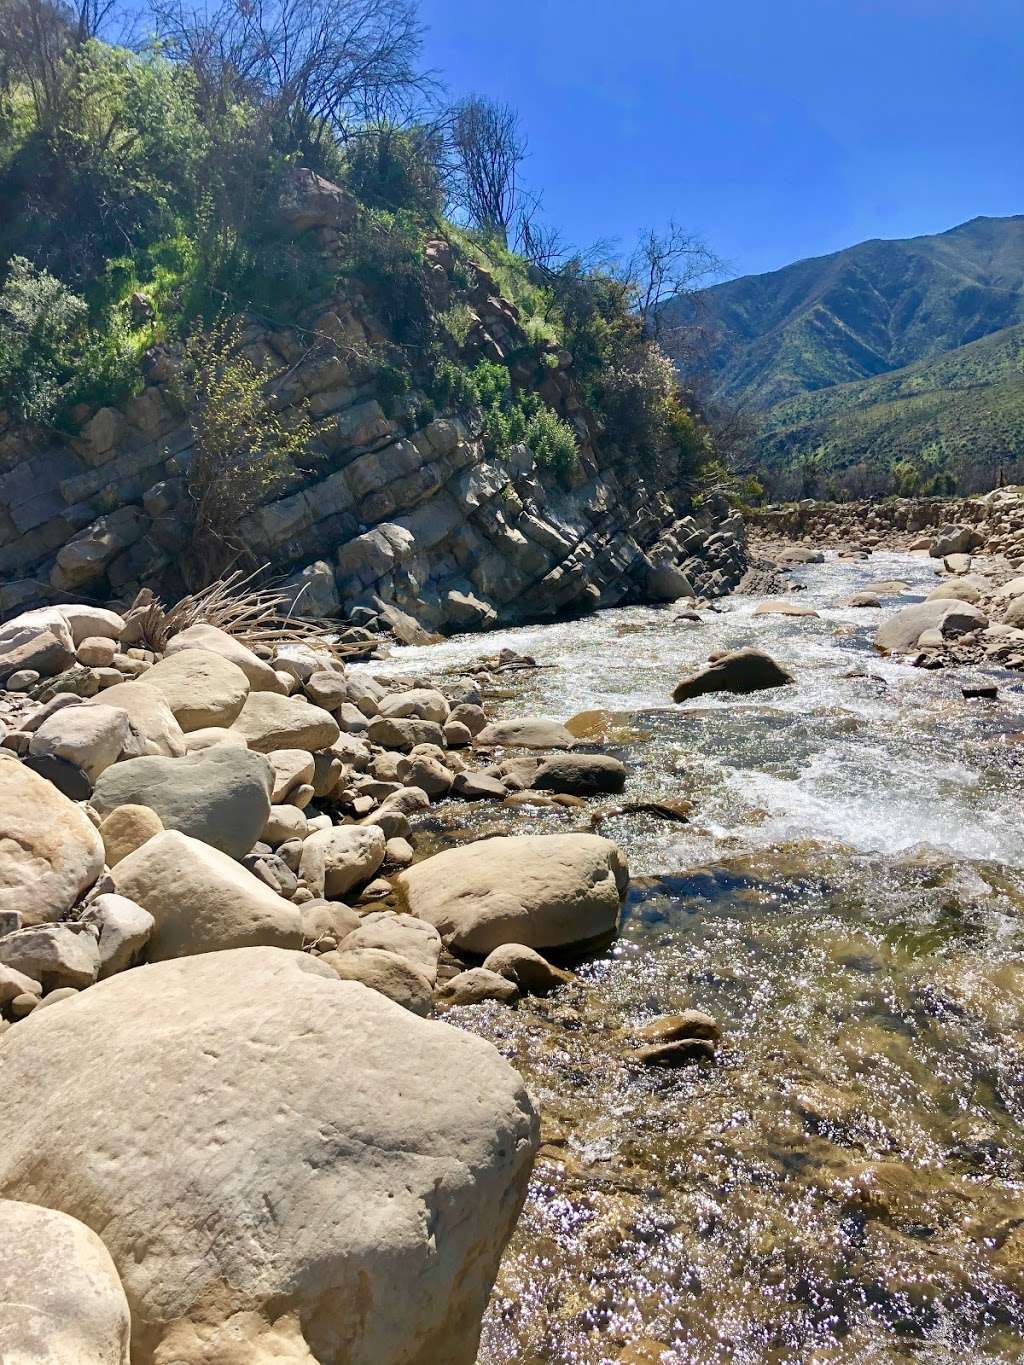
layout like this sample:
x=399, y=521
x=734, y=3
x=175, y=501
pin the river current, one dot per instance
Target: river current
x=846, y=1181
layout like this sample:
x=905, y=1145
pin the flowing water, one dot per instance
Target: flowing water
x=846, y=1181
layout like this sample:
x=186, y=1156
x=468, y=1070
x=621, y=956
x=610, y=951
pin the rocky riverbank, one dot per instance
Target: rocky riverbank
x=974, y=614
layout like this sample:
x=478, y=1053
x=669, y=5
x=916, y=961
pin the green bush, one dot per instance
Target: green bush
x=49, y=356
x=396, y=168
x=552, y=441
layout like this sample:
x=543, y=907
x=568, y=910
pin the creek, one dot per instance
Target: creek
x=846, y=1181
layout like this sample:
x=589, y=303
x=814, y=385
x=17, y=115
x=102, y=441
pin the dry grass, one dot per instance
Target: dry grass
x=257, y=617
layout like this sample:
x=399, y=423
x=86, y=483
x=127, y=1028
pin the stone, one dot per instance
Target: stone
x=127, y=828
x=284, y=823
x=900, y=633
x=1014, y=614
x=470, y=715
x=951, y=540
x=475, y=985
x=23, y=1005
x=67, y=777
x=477, y=786
x=312, y=591
x=221, y=796
x=50, y=852
x=581, y=774
x=88, y=622
x=392, y=976
x=532, y=732
x=15, y=983
x=421, y=703
x=351, y=719
x=457, y=735
x=150, y=716
x=213, y=737
x=292, y=768
x=23, y=680
x=670, y=1028
x=268, y=721
x=61, y=1301
x=336, y=860
x=307, y=201
x=667, y=583
x=55, y=997
x=798, y=554
x=46, y=654
x=261, y=676
x=273, y=871
x=328, y=919
x=741, y=670
x=403, y=733
x=201, y=900
x=398, y=852
x=957, y=564
x=96, y=652
x=55, y=955
x=327, y=689
x=200, y=687
x=90, y=737
x=679, y=1053
x=544, y=891
x=125, y=930
x=530, y=972
x=344, y=1153
x=960, y=591
x=862, y=599
x=427, y=773
x=404, y=935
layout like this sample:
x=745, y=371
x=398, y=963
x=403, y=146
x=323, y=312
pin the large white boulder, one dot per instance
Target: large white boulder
x=543, y=890
x=950, y=617
x=284, y=1166
x=203, y=901
x=201, y=688
x=419, y=703
x=50, y=853
x=61, y=1302
x=90, y=737
x=335, y=860
x=261, y=675
x=150, y=716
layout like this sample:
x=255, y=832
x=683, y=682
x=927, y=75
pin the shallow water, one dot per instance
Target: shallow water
x=846, y=1182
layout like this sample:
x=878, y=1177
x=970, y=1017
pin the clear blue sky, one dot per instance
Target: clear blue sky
x=777, y=129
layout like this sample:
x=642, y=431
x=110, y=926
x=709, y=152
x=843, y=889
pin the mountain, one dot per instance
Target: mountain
x=803, y=349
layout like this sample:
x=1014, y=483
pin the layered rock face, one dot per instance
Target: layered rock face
x=400, y=508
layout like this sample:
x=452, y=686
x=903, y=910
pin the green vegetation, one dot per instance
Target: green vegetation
x=143, y=186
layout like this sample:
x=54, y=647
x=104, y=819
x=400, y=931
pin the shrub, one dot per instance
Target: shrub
x=242, y=449
x=396, y=168
x=456, y=323
x=552, y=441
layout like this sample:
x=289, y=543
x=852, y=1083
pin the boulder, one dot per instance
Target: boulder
x=421, y=703
x=404, y=935
x=392, y=976
x=201, y=900
x=53, y=954
x=89, y=622
x=951, y=540
x=784, y=609
x=328, y=689
x=90, y=737
x=427, y=773
x=403, y=732
x=307, y=200
x=580, y=774
x=545, y=891
x=201, y=688
x=50, y=852
x=124, y=928
x=861, y=599
x=127, y=828
x=292, y=768
x=667, y=583
x=474, y=986
x=288, y=1167
x=950, y=617
x=477, y=786
x=45, y=653
x=61, y=1302
x=14, y=983
x=526, y=968
x=1014, y=613
x=336, y=860
x=150, y=716
x=742, y=670
x=470, y=715
x=328, y=919
x=213, y=737
x=96, y=652
x=221, y=796
x=261, y=676
x=799, y=554
x=959, y=591
x=531, y=732
x=284, y=823
x=268, y=721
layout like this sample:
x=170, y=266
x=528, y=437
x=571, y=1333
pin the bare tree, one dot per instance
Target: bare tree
x=319, y=66
x=489, y=149
x=668, y=268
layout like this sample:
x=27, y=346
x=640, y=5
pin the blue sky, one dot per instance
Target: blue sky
x=774, y=128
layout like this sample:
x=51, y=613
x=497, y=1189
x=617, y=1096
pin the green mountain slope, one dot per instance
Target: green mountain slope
x=874, y=307
x=961, y=415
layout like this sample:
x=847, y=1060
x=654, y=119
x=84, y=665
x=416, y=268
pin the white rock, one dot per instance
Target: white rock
x=394, y=977
x=125, y=929
x=262, y=677
x=202, y=900
x=90, y=737
x=275, y=1147
x=149, y=714
x=61, y=1302
x=13, y=983
x=200, y=687
x=50, y=852
x=337, y=859
x=53, y=954
x=420, y=703
x=404, y=935
x=268, y=721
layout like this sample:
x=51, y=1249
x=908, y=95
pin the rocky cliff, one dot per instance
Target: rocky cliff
x=400, y=508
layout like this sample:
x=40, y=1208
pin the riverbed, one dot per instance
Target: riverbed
x=846, y=1181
